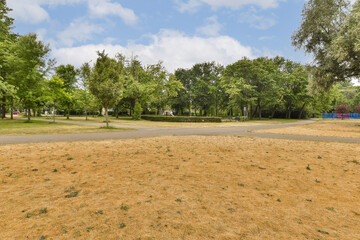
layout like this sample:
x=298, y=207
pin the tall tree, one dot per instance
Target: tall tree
x=164, y=86
x=321, y=23
x=346, y=45
x=206, y=85
x=68, y=75
x=106, y=81
x=185, y=96
x=55, y=92
x=6, y=40
x=29, y=67
x=85, y=95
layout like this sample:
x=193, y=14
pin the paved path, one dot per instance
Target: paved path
x=142, y=131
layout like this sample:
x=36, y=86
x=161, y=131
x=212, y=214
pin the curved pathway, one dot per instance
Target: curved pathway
x=142, y=131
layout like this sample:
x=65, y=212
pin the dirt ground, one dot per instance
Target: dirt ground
x=180, y=188
x=324, y=128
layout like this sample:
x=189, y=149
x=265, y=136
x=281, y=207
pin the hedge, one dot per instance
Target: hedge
x=180, y=119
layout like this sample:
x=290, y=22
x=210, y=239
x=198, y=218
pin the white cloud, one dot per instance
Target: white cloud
x=103, y=8
x=28, y=11
x=193, y=5
x=174, y=48
x=256, y=21
x=212, y=27
x=32, y=11
x=79, y=30
x=41, y=33
x=266, y=38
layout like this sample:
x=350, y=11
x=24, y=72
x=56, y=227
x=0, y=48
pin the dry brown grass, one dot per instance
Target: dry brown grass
x=324, y=128
x=180, y=188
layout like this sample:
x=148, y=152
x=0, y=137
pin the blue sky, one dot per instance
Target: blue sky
x=178, y=32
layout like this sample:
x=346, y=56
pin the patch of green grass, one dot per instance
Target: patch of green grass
x=124, y=207
x=356, y=214
x=88, y=229
x=72, y=194
x=122, y=225
x=43, y=211
x=108, y=127
x=14, y=127
x=178, y=200
x=323, y=232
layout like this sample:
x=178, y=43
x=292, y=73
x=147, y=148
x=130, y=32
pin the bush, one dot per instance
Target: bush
x=181, y=119
x=342, y=108
x=357, y=109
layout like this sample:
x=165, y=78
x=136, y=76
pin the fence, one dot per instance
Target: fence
x=341, y=115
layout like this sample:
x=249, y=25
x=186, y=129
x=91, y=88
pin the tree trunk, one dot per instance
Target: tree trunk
x=54, y=112
x=254, y=113
x=251, y=112
x=216, y=105
x=302, y=110
x=3, y=107
x=86, y=114
x=117, y=112
x=259, y=104
x=12, y=108
x=189, y=108
x=68, y=114
x=288, y=113
x=107, y=117
x=273, y=112
x=29, y=114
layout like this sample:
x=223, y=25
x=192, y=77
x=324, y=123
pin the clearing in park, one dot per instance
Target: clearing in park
x=183, y=187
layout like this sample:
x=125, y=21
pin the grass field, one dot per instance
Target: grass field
x=326, y=128
x=22, y=127
x=180, y=188
x=129, y=121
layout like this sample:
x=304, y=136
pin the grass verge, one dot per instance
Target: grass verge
x=23, y=127
x=128, y=121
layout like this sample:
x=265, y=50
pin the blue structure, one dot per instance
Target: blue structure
x=341, y=116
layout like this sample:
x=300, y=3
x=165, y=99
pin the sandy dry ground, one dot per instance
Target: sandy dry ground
x=324, y=128
x=180, y=188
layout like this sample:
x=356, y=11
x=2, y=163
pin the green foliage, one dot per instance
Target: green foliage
x=322, y=21
x=28, y=69
x=68, y=75
x=137, y=111
x=181, y=119
x=345, y=46
x=106, y=81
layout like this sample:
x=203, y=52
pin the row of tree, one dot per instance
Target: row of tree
x=260, y=87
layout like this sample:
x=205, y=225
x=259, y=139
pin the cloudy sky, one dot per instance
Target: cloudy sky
x=178, y=32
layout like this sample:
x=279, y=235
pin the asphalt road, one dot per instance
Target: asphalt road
x=142, y=131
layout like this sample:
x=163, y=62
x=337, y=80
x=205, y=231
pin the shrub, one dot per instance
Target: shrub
x=181, y=119
x=357, y=109
x=342, y=108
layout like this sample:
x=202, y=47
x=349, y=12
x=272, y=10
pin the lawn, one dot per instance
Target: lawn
x=190, y=187
x=22, y=127
x=145, y=123
x=325, y=128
